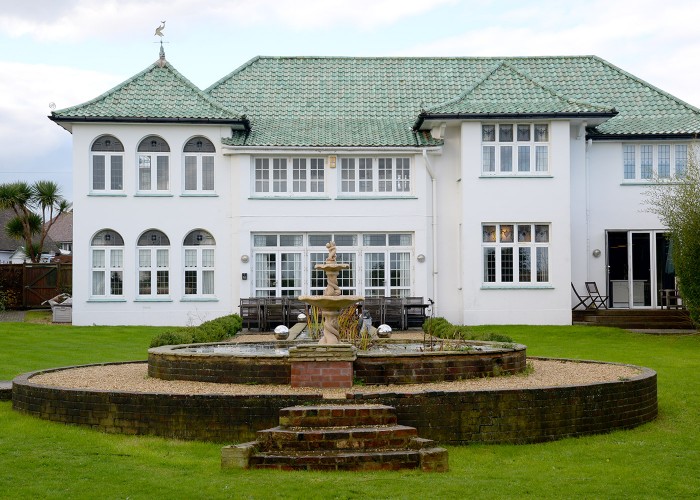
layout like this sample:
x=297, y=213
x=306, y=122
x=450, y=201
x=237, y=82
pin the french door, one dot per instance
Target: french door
x=639, y=267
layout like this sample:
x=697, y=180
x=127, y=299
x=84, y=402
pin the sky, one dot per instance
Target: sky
x=59, y=53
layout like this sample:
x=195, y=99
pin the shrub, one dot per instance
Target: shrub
x=215, y=330
x=441, y=328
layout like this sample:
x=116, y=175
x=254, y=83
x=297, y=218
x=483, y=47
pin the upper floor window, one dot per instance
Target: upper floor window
x=107, y=264
x=648, y=161
x=375, y=176
x=153, y=264
x=289, y=176
x=153, y=165
x=515, y=149
x=199, y=166
x=515, y=253
x=106, y=165
x=199, y=264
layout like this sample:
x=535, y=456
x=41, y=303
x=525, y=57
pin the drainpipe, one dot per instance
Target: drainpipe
x=587, y=145
x=431, y=172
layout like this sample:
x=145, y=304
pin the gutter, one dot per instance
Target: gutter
x=434, y=226
x=244, y=123
x=491, y=116
x=325, y=149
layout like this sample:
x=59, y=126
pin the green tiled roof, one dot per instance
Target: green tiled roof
x=507, y=91
x=316, y=95
x=156, y=94
x=375, y=102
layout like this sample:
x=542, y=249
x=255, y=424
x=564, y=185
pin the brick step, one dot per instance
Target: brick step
x=337, y=416
x=5, y=390
x=427, y=459
x=337, y=437
x=334, y=438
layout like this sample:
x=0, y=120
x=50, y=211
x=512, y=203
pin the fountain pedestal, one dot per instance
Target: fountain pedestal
x=318, y=365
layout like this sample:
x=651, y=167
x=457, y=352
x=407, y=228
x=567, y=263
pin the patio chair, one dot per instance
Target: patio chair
x=375, y=307
x=294, y=308
x=582, y=301
x=597, y=300
x=274, y=312
x=393, y=312
x=251, y=313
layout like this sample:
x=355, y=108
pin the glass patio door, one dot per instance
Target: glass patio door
x=639, y=267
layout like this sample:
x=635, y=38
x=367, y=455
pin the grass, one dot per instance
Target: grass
x=40, y=459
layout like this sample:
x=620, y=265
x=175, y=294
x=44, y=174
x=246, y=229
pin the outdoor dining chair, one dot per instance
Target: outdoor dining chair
x=597, y=300
x=582, y=300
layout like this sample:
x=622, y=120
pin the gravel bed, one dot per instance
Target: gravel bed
x=133, y=377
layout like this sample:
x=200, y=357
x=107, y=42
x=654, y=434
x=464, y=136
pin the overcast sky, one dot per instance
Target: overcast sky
x=66, y=52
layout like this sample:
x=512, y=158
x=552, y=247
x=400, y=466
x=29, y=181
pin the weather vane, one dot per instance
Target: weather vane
x=159, y=32
x=159, y=29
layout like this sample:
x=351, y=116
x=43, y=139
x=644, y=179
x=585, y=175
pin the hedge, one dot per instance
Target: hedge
x=215, y=330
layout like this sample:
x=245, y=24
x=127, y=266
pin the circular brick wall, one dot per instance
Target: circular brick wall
x=502, y=416
x=176, y=363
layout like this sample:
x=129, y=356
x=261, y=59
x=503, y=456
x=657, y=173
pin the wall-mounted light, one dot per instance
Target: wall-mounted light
x=244, y=258
x=199, y=144
x=200, y=237
x=108, y=237
x=154, y=144
x=596, y=253
x=154, y=238
x=420, y=257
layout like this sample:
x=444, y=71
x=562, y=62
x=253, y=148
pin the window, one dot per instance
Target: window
x=380, y=263
x=106, y=165
x=278, y=270
x=153, y=165
x=289, y=176
x=107, y=263
x=153, y=264
x=645, y=162
x=515, y=149
x=199, y=264
x=509, y=251
x=199, y=166
x=375, y=176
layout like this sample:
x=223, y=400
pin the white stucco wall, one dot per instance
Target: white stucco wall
x=131, y=215
x=614, y=205
x=513, y=200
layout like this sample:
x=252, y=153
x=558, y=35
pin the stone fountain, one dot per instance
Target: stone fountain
x=332, y=301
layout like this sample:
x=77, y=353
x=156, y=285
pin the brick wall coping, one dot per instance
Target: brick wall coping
x=455, y=417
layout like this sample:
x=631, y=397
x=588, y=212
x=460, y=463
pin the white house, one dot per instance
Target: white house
x=486, y=184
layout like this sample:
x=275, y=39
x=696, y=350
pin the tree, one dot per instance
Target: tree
x=36, y=207
x=677, y=203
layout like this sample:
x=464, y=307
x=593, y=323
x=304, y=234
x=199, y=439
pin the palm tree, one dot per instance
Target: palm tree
x=25, y=201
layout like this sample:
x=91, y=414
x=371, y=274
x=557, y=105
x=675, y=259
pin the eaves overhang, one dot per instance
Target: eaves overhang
x=589, y=116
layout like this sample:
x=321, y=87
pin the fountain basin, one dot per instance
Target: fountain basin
x=390, y=362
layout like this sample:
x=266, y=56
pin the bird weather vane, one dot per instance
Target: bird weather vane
x=159, y=30
x=159, y=33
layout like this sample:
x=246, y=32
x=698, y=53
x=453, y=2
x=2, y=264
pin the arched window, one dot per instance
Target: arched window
x=106, y=165
x=199, y=165
x=107, y=264
x=153, y=250
x=199, y=264
x=154, y=165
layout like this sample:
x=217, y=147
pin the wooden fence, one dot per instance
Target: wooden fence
x=28, y=285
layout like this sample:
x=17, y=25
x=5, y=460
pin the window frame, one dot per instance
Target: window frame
x=200, y=149
x=282, y=177
x=109, y=270
x=365, y=176
x=351, y=247
x=205, y=243
x=154, y=153
x=153, y=268
x=499, y=243
x=515, y=144
x=644, y=168
x=109, y=153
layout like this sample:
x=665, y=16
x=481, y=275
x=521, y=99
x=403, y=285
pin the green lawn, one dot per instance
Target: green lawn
x=40, y=459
